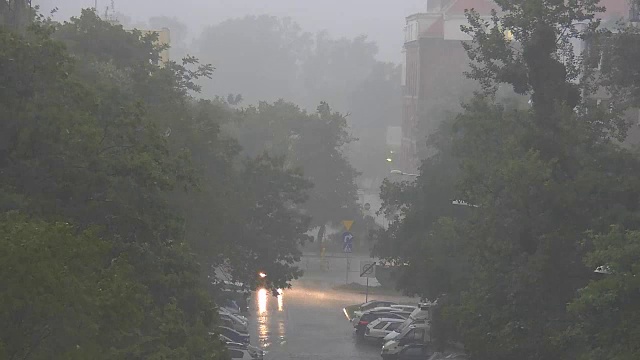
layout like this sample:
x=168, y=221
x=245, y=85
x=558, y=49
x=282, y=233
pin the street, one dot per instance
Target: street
x=307, y=322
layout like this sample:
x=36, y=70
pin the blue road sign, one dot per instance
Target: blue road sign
x=347, y=239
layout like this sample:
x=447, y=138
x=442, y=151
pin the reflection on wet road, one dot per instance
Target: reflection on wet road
x=271, y=326
x=307, y=323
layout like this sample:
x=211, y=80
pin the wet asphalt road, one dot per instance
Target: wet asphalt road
x=307, y=322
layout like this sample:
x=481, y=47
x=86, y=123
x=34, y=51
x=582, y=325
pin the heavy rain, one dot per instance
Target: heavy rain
x=289, y=179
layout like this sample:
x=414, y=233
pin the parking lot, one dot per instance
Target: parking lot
x=307, y=322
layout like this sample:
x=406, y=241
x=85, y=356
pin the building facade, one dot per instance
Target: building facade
x=433, y=72
x=433, y=79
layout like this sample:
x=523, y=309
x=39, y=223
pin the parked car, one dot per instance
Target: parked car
x=379, y=310
x=403, y=307
x=349, y=311
x=419, y=315
x=367, y=318
x=414, y=352
x=244, y=351
x=240, y=317
x=414, y=334
x=234, y=335
x=233, y=322
x=379, y=328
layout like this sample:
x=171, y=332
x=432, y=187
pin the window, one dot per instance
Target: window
x=394, y=325
x=380, y=325
x=236, y=354
x=413, y=351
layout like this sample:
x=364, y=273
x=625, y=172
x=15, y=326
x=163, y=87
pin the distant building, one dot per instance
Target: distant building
x=435, y=62
x=394, y=137
x=433, y=72
x=164, y=38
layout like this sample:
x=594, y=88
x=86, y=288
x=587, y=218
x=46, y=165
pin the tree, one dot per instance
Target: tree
x=335, y=68
x=254, y=56
x=269, y=227
x=60, y=298
x=426, y=231
x=16, y=14
x=313, y=142
x=530, y=171
x=81, y=151
x=606, y=311
x=540, y=177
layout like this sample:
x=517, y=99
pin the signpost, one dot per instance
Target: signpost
x=347, y=242
x=347, y=224
x=347, y=245
x=368, y=270
x=347, y=248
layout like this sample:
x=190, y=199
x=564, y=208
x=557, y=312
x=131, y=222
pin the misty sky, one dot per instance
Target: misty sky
x=381, y=20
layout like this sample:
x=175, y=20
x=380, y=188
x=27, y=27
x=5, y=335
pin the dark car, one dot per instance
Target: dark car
x=415, y=352
x=234, y=335
x=368, y=317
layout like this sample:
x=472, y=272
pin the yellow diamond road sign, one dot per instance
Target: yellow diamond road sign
x=347, y=224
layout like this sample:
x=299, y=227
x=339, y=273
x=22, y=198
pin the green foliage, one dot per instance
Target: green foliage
x=94, y=133
x=266, y=222
x=62, y=297
x=266, y=58
x=425, y=233
x=607, y=311
x=257, y=56
x=540, y=178
x=313, y=142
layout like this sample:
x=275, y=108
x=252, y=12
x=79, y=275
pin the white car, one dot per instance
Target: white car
x=242, y=318
x=380, y=327
x=408, y=308
x=243, y=351
x=385, y=309
x=233, y=323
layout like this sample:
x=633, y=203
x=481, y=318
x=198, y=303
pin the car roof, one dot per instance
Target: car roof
x=236, y=345
x=381, y=315
x=230, y=329
x=394, y=320
x=382, y=309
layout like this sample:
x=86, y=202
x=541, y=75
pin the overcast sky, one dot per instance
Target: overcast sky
x=381, y=20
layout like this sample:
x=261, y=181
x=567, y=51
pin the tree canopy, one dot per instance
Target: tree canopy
x=121, y=197
x=552, y=193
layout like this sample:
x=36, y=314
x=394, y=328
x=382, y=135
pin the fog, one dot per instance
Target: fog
x=381, y=20
x=156, y=186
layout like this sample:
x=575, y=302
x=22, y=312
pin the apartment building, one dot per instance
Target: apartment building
x=433, y=78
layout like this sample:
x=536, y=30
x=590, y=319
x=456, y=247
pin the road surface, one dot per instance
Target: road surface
x=307, y=322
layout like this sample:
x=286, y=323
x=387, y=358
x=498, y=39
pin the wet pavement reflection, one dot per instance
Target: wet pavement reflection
x=307, y=322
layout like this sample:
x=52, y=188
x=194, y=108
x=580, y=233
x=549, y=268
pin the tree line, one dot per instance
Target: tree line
x=121, y=196
x=543, y=262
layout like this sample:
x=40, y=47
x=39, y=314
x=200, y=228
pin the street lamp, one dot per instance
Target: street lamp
x=398, y=172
